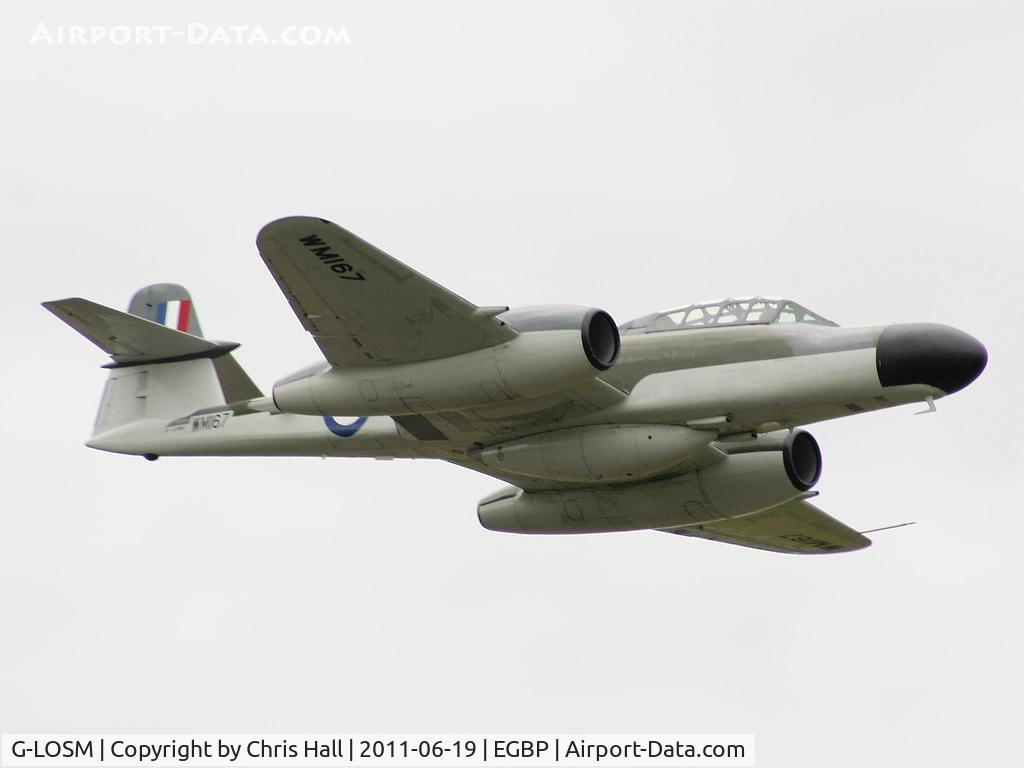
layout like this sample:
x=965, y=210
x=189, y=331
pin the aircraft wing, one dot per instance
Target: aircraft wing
x=796, y=527
x=363, y=306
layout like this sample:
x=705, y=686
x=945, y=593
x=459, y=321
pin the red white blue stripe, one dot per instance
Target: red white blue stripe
x=175, y=314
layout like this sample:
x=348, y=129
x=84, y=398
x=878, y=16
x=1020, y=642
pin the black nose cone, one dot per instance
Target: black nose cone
x=925, y=353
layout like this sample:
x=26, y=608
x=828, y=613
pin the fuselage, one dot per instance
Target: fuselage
x=728, y=380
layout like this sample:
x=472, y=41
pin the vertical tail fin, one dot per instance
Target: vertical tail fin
x=162, y=366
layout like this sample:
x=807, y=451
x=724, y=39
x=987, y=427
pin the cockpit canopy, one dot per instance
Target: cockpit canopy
x=752, y=310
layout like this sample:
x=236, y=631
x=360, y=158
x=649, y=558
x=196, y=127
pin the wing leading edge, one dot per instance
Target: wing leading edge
x=364, y=307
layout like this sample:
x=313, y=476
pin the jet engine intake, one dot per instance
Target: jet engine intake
x=801, y=456
x=598, y=331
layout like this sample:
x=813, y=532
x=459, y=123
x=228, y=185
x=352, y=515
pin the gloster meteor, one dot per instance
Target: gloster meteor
x=686, y=421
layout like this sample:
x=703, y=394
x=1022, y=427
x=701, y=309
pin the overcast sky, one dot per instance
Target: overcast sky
x=862, y=158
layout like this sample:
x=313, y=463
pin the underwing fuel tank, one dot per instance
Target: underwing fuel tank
x=756, y=477
x=607, y=452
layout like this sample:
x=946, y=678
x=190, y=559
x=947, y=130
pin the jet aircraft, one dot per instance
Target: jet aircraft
x=686, y=421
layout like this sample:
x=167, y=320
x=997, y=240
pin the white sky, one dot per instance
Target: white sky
x=863, y=158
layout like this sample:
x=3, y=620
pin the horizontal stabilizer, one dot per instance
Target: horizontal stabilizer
x=130, y=340
x=796, y=527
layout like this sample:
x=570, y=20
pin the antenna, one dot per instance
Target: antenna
x=888, y=527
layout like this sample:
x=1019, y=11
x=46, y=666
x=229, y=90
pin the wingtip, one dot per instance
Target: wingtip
x=290, y=221
x=56, y=305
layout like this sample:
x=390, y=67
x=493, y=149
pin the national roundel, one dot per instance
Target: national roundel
x=344, y=430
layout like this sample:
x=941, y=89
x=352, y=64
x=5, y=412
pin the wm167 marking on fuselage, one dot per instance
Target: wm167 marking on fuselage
x=335, y=261
x=205, y=421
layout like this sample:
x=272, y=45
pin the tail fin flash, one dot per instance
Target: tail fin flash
x=166, y=304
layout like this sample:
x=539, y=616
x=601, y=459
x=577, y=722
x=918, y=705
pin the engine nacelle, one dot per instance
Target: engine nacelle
x=603, y=452
x=745, y=481
x=556, y=348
